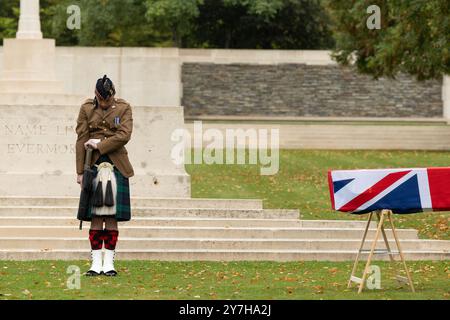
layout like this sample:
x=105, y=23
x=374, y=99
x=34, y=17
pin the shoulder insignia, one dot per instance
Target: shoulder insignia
x=88, y=102
x=121, y=102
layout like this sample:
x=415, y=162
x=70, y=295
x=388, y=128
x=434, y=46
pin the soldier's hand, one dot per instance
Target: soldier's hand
x=80, y=180
x=91, y=143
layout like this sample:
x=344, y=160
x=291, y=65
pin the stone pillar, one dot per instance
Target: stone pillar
x=446, y=97
x=29, y=21
x=28, y=61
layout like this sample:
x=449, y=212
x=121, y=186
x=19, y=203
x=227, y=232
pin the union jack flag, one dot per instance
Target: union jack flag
x=400, y=190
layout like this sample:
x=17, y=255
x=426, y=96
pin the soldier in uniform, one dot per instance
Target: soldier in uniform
x=105, y=124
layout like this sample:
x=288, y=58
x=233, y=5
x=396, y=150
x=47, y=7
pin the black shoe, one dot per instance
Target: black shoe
x=92, y=273
x=111, y=273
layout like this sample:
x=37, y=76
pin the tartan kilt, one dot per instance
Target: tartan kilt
x=122, y=200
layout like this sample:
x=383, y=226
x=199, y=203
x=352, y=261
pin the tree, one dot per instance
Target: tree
x=174, y=16
x=414, y=37
x=104, y=23
x=9, y=18
x=263, y=24
x=53, y=22
x=299, y=24
x=264, y=8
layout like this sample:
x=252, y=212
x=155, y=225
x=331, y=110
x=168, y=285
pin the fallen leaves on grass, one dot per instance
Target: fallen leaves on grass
x=333, y=271
x=318, y=289
x=290, y=290
x=442, y=224
x=27, y=293
x=336, y=284
x=289, y=279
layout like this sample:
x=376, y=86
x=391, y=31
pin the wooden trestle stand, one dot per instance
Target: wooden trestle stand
x=381, y=216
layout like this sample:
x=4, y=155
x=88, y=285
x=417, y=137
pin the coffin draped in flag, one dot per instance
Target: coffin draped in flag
x=399, y=190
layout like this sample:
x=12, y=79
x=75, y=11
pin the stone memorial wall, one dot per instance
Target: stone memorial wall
x=303, y=90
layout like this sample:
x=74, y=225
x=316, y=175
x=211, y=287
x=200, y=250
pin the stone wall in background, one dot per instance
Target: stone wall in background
x=303, y=90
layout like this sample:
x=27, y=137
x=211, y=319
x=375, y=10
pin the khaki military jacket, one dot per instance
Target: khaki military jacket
x=113, y=127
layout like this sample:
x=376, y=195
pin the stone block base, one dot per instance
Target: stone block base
x=64, y=184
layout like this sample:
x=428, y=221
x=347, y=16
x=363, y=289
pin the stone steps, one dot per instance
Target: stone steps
x=193, y=222
x=204, y=232
x=139, y=202
x=35, y=228
x=50, y=211
x=214, y=255
x=130, y=243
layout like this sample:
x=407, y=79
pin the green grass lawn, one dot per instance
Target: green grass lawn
x=217, y=280
x=301, y=183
